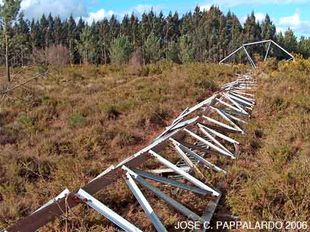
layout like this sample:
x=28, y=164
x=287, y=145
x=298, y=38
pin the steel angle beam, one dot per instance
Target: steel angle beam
x=175, y=204
x=198, y=157
x=242, y=110
x=178, y=125
x=210, y=210
x=231, y=54
x=63, y=194
x=250, y=100
x=218, y=134
x=249, y=57
x=267, y=52
x=185, y=113
x=222, y=124
x=240, y=100
x=243, y=93
x=206, y=133
x=206, y=102
x=109, y=169
x=106, y=211
x=230, y=106
x=226, y=117
x=185, y=175
x=290, y=55
x=170, y=182
x=153, y=145
x=168, y=170
x=196, y=147
x=189, y=162
x=214, y=147
x=142, y=200
x=258, y=42
x=180, y=117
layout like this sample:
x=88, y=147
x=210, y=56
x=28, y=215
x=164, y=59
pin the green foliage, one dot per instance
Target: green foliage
x=304, y=46
x=187, y=51
x=172, y=52
x=201, y=36
x=121, y=50
x=76, y=120
x=24, y=120
x=152, y=49
x=8, y=11
x=87, y=47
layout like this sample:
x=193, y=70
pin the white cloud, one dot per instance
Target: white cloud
x=138, y=10
x=260, y=16
x=98, y=15
x=232, y=3
x=205, y=6
x=295, y=23
x=291, y=21
x=145, y=8
x=35, y=8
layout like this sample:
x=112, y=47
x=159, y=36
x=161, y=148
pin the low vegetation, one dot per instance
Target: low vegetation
x=63, y=130
x=270, y=182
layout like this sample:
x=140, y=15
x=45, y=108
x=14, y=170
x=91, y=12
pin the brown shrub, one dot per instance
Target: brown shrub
x=136, y=58
x=39, y=56
x=58, y=55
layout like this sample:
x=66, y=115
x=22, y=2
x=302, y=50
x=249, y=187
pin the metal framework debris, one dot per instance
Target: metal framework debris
x=199, y=133
x=250, y=59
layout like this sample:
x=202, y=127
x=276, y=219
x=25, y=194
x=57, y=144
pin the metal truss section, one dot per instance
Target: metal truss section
x=106, y=211
x=63, y=194
x=200, y=159
x=169, y=181
x=250, y=59
x=142, y=200
x=214, y=147
x=185, y=175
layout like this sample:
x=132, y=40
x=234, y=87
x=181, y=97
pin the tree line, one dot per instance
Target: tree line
x=197, y=36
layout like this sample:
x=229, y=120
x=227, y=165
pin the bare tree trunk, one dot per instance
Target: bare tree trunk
x=7, y=65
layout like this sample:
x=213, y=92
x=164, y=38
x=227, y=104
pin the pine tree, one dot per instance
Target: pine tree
x=268, y=29
x=8, y=12
x=49, y=36
x=145, y=26
x=20, y=44
x=121, y=50
x=125, y=27
x=86, y=45
x=71, y=38
x=58, y=32
x=152, y=49
x=290, y=41
x=104, y=40
x=186, y=54
x=172, y=52
x=304, y=47
x=233, y=33
x=135, y=35
x=44, y=31
x=251, y=29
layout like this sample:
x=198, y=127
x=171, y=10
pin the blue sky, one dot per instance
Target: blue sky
x=284, y=13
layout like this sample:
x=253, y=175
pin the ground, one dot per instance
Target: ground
x=64, y=129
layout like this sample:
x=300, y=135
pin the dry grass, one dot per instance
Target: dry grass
x=271, y=181
x=64, y=130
